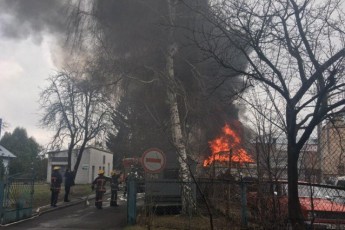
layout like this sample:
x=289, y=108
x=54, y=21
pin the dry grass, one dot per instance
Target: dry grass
x=182, y=222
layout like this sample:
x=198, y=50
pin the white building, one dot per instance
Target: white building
x=92, y=160
x=6, y=156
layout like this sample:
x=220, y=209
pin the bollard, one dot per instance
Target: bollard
x=131, y=201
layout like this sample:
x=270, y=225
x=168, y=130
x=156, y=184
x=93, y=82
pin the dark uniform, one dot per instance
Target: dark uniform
x=55, y=186
x=114, y=188
x=99, y=184
x=69, y=181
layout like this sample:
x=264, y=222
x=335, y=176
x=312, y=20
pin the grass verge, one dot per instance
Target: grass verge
x=42, y=193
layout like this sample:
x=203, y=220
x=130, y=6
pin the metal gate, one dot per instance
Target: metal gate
x=16, y=195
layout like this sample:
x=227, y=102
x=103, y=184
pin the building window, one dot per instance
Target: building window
x=103, y=159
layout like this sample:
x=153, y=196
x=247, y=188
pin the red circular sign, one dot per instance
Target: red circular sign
x=153, y=160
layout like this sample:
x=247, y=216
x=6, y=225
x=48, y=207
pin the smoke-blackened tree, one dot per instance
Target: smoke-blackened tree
x=297, y=51
x=134, y=119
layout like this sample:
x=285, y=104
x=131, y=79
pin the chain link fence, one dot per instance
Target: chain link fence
x=242, y=204
x=254, y=195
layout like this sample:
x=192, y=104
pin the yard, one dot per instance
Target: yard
x=42, y=193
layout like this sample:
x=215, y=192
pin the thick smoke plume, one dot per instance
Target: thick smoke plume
x=32, y=18
x=135, y=36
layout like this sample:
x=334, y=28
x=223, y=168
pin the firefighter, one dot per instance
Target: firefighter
x=55, y=185
x=114, y=187
x=99, y=184
x=69, y=182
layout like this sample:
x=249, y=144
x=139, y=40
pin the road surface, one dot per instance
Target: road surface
x=77, y=217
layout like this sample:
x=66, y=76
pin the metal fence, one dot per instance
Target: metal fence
x=241, y=204
x=221, y=199
x=16, y=196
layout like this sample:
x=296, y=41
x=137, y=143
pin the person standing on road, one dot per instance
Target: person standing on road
x=114, y=187
x=99, y=184
x=55, y=185
x=69, y=182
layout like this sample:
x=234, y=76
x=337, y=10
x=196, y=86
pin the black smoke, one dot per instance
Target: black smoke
x=22, y=19
x=133, y=39
x=136, y=34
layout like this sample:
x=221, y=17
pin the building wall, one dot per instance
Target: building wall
x=82, y=176
x=100, y=160
x=92, y=158
x=332, y=148
x=273, y=160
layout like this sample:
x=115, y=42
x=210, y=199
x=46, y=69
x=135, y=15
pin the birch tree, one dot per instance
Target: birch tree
x=188, y=201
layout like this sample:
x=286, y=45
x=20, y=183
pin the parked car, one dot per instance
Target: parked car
x=322, y=206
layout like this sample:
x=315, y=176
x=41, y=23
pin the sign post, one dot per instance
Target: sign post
x=153, y=160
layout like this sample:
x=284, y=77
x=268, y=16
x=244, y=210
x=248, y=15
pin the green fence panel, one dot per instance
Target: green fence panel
x=17, y=195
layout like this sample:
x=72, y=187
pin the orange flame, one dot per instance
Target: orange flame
x=230, y=143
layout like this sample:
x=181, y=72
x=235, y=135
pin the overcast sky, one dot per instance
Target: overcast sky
x=29, y=29
x=24, y=66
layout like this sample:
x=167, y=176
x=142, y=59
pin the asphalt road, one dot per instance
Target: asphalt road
x=78, y=216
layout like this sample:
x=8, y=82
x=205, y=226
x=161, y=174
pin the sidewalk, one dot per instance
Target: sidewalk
x=88, y=200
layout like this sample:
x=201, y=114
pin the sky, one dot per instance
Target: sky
x=24, y=67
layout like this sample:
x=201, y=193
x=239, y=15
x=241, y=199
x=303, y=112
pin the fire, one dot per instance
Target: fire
x=228, y=144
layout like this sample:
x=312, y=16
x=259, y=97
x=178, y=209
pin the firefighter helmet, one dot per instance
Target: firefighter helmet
x=101, y=171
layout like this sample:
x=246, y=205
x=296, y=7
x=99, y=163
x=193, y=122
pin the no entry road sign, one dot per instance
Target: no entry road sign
x=153, y=160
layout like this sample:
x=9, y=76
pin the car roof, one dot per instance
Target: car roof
x=320, y=204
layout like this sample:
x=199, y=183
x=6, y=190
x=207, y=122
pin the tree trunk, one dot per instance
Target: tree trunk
x=77, y=163
x=295, y=213
x=69, y=155
x=294, y=206
x=188, y=202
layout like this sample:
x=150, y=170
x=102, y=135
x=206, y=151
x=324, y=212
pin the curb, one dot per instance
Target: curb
x=47, y=209
x=61, y=205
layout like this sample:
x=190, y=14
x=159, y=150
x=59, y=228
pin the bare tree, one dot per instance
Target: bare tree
x=295, y=48
x=76, y=110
